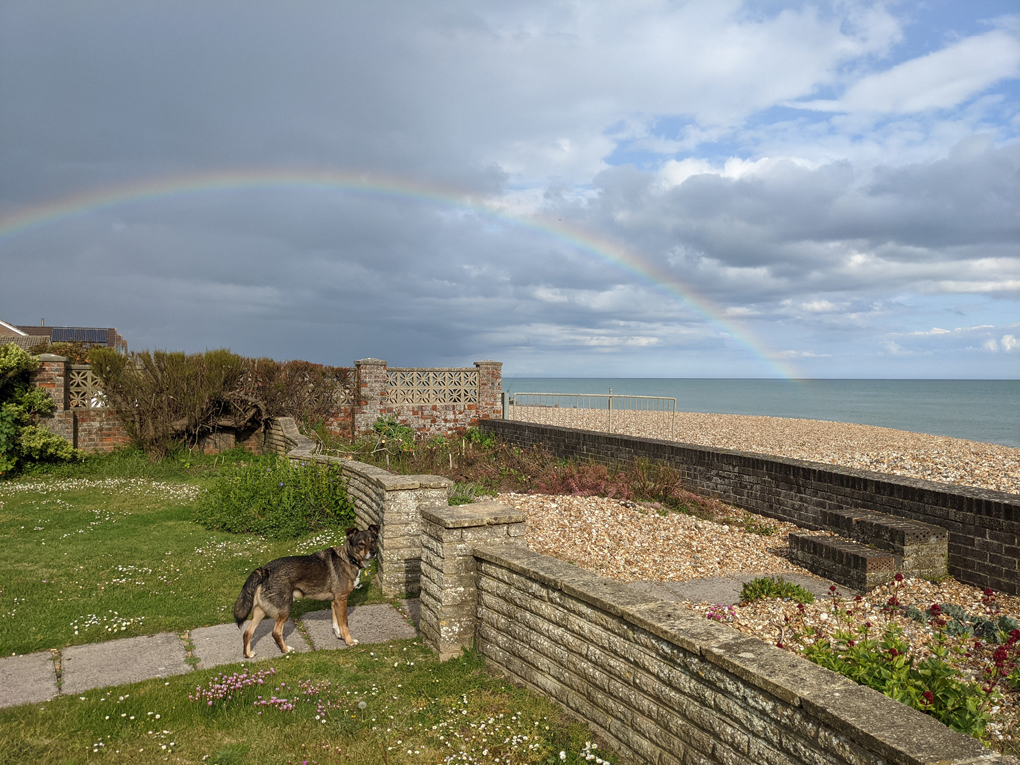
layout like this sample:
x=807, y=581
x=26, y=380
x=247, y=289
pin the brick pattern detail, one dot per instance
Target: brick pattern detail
x=448, y=572
x=660, y=684
x=983, y=526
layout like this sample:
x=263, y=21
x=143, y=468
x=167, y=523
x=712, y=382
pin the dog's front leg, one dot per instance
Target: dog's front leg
x=340, y=628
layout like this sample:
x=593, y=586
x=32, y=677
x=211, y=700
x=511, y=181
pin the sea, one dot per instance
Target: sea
x=977, y=410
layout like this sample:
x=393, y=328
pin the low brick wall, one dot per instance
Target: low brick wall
x=983, y=525
x=395, y=502
x=663, y=685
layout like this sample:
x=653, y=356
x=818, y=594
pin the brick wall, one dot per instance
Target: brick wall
x=662, y=685
x=100, y=430
x=983, y=525
x=92, y=430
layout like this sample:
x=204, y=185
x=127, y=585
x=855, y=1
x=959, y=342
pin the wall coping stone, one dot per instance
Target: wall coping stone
x=51, y=357
x=370, y=362
x=474, y=515
x=875, y=722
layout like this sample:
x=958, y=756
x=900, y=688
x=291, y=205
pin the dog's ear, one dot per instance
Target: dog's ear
x=352, y=531
x=374, y=529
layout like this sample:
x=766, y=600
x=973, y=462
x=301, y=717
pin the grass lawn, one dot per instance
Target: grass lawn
x=110, y=549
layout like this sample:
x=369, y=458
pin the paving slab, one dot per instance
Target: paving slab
x=725, y=590
x=377, y=623
x=223, y=644
x=27, y=679
x=84, y=667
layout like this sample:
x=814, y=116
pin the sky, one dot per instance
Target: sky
x=577, y=189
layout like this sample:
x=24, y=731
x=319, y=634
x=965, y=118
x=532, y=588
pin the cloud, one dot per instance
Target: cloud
x=938, y=80
x=1010, y=343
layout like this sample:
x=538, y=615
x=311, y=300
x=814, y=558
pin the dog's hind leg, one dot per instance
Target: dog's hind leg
x=340, y=628
x=281, y=619
x=256, y=616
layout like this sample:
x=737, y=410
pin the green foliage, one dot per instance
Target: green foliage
x=466, y=493
x=765, y=588
x=22, y=441
x=271, y=497
x=885, y=664
x=167, y=400
x=392, y=430
x=76, y=352
x=481, y=439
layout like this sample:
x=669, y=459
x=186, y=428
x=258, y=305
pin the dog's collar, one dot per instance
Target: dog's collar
x=355, y=560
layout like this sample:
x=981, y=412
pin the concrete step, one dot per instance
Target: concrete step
x=921, y=549
x=849, y=563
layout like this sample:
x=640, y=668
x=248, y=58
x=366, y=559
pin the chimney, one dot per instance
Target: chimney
x=42, y=322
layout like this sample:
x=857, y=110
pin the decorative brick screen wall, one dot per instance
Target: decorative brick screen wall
x=983, y=526
x=80, y=415
x=430, y=401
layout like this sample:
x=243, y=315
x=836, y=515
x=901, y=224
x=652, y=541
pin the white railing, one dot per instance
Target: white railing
x=599, y=401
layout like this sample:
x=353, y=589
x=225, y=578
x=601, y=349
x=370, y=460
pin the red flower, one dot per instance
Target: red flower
x=929, y=698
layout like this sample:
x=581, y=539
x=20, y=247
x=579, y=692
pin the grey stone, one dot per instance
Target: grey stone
x=378, y=623
x=223, y=644
x=84, y=667
x=27, y=679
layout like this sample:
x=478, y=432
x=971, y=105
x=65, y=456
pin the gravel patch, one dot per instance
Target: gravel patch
x=865, y=447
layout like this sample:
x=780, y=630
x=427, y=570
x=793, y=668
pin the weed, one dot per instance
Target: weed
x=766, y=587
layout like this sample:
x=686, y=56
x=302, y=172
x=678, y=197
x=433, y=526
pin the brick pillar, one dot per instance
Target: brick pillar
x=52, y=377
x=449, y=595
x=490, y=388
x=370, y=393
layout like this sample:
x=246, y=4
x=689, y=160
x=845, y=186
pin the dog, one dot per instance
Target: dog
x=330, y=574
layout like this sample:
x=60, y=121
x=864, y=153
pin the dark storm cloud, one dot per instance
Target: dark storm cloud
x=837, y=241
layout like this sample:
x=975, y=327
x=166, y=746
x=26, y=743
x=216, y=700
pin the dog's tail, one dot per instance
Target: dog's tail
x=242, y=607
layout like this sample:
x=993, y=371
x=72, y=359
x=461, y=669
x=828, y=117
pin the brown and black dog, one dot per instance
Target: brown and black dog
x=330, y=574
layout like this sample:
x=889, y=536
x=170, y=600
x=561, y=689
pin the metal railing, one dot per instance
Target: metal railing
x=599, y=401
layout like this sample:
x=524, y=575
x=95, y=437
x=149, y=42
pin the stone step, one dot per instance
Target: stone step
x=849, y=563
x=921, y=549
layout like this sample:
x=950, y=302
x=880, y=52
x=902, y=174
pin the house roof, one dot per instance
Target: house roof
x=10, y=329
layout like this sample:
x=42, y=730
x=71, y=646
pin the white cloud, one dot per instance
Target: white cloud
x=937, y=80
x=1010, y=343
x=990, y=345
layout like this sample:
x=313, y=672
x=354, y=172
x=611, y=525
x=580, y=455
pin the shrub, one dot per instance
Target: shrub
x=76, y=352
x=271, y=497
x=167, y=399
x=588, y=479
x=931, y=686
x=21, y=405
x=765, y=587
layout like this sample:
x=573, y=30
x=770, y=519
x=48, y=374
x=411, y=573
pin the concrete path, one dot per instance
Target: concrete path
x=33, y=678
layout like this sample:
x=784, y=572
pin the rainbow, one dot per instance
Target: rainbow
x=625, y=260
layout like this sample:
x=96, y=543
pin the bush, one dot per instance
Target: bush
x=166, y=400
x=21, y=440
x=885, y=664
x=271, y=497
